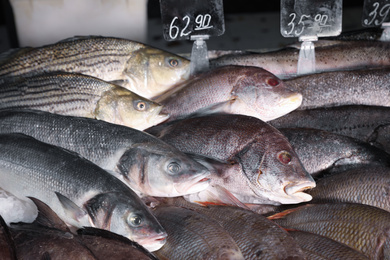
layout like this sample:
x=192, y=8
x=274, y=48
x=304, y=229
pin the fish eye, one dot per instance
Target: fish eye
x=173, y=167
x=173, y=63
x=284, y=157
x=272, y=82
x=140, y=105
x=134, y=220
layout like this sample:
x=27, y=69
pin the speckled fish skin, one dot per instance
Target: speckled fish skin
x=369, y=87
x=318, y=247
x=144, y=70
x=268, y=169
x=80, y=192
x=250, y=91
x=362, y=227
x=346, y=56
x=368, y=184
x=80, y=95
x=366, y=123
x=192, y=235
x=145, y=163
x=256, y=236
x=321, y=150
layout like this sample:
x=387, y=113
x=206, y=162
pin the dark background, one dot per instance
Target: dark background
x=230, y=7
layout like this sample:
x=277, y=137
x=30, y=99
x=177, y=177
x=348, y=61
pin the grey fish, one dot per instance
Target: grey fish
x=356, y=87
x=283, y=63
x=256, y=236
x=264, y=168
x=321, y=150
x=362, y=227
x=146, y=164
x=80, y=95
x=81, y=193
x=318, y=247
x=366, y=123
x=142, y=69
x=368, y=184
x=48, y=237
x=192, y=235
x=250, y=91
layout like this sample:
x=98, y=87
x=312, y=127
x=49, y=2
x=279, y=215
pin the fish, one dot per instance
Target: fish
x=192, y=235
x=48, y=237
x=325, y=152
x=80, y=95
x=78, y=191
x=320, y=247
x=143, y=69
x=244, y=90
x=339, y=88
x=366, y=123
x=283, y=63
x=145, y=163
x=265, y=168
x=255, y=235
x=7, y=245
x=366, y=184
x=362, y=227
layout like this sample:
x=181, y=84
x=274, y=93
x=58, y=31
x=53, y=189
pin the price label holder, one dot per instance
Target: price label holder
x=377, y=13
x=196, y=21
x=308, y=20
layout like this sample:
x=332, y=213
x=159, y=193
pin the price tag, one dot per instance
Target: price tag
x=300, y=18
x=183, y=18
x=375, y=13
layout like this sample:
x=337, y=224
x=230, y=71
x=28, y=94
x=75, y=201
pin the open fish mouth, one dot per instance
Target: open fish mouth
x=197, y=184
x=153, y=243
x=296, y=191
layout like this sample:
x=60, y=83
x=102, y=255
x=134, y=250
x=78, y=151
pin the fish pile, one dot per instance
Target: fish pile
x=111, y=145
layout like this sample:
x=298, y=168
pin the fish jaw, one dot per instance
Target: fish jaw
x=295, y=190
x=198, y=184
x=153, y=243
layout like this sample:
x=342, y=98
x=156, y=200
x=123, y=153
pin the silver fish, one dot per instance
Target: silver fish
x=81, y=193
x=146, y=164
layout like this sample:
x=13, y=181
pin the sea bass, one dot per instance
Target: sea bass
x=81, y=193
x=366, y=184
x=332, y=57
x=266, y=168
x=241, y=90
x=362, y=227
x=256, y=236
x=48, y=237
x=366, y=123
x=321, y=150
x=80, y=95
x=140, y=68
x=192, y=235
x=369, y=87
x=146, y=164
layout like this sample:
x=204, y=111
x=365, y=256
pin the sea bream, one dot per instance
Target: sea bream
x=80, y=95
x=331, y=57
x=250, y=91
x=140, y=68
x=146, y=164
x=80, y=192
x=260, y=164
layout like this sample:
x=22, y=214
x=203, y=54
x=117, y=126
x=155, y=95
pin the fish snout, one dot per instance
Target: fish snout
x=193, y=185
x=155, y=242
x=294, y=100
x=296, y=189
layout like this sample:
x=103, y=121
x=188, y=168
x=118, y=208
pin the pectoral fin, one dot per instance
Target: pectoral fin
x=72, y=211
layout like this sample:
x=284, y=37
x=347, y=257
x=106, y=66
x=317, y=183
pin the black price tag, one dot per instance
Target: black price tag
x=310, y=18
x=375, y=12
x=185, y=18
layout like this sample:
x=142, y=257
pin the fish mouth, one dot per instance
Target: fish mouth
x=158, y=117
x=197, y=184
x=153, y=243
x=293, y=101
x=295, y=191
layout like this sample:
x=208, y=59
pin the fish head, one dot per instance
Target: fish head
x=275, y=172
x=162, y=171
x=261, y=94
x=123, y=107
x=151, y=71
x=126, y=215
